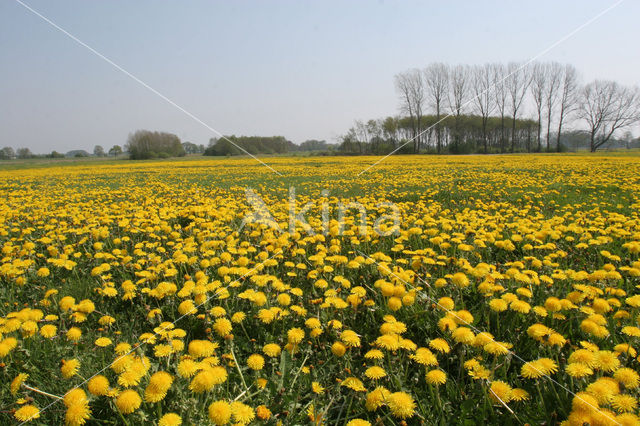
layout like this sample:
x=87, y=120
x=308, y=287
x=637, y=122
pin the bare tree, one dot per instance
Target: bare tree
x=484, y=100
x=436, y=78
x=607, y=107
x=500, y=91
x=410, y=86
x=539, y=82
x=517, y=83
x=458, y=92
x=568, y=97
x=555, y=77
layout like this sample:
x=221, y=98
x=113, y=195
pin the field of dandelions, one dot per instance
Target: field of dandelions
x=508, y=294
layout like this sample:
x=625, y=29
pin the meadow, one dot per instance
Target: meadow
x=508, y=292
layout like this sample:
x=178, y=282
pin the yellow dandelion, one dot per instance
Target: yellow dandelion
x=128, y=401
x=401, y=405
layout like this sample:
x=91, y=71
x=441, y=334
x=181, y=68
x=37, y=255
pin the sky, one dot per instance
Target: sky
x=301, y=69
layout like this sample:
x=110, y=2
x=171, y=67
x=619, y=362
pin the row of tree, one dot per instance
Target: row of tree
x=239, y=145
x=145, y=144
x=492, y=107
x=8, y=153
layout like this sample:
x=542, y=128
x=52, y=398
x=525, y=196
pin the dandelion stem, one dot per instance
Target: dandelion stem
x=41, y=392
x=235, y=361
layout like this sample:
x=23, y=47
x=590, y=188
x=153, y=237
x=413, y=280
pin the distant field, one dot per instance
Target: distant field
x=507, y=290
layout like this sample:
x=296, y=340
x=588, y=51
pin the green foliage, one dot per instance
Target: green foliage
x=238, y=145
x=145, y=144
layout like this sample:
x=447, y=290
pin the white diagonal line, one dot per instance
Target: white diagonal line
x=473, y=98
x=138, y=80
x=156, y=333
x=515, y=355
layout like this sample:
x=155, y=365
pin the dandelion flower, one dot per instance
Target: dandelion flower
x=607, y=361
x=578, y=370
x=440, y=345
x=374, y=354
x=27, y=413
x=201, y=348
x=518, y=394
x=17, y=383
x=624, y=403
x=69, y=368
x=255, y=362
x=358, y=422
x=206, y=379
x=77, y=414
x=353, y=384
x=103, y=342
x=74, y=334
x=628, y=377
x=220, y=412
x=262, y=412
x=158, y=386
x=500, y=392
x=48, y=331
x=338, y=349
x=98, y=385
x=222, y=327
x=295, y=335
x=188, y=367
x=271, y=350
x=317, y=388
x=75, y=396
x=376, y=398
x=436, y=377
x=424, y=356
x=170, y=419
x=242, y=413
x=401, y=405
x=375, y=373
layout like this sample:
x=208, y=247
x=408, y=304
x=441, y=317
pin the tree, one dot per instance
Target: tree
x=190, y=148
x=238, y=145
x=436, y=78
x=390, y=130
x=7, y=153
x=539, y=82
x=98, y=151
x=568, y=97
x=410, y=86
x=484, y=99
x=314, y=145
x=501, y=99
x=145, y=144
x=55, y=154
x=607, y=107
x=24, y=153
x=517, y=84
x=555, y=75
x=458, y=90
x=115, y=150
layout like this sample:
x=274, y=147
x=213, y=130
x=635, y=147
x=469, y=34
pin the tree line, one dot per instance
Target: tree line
x=495, y=108
x=514, y=107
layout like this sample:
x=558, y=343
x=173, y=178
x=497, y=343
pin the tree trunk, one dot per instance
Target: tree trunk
x=539, y=128
x=559, y=129
x=438, y=135
x=502, y=144
x=513, y=134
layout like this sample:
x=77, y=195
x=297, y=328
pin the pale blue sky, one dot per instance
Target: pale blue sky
x=301, y=69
